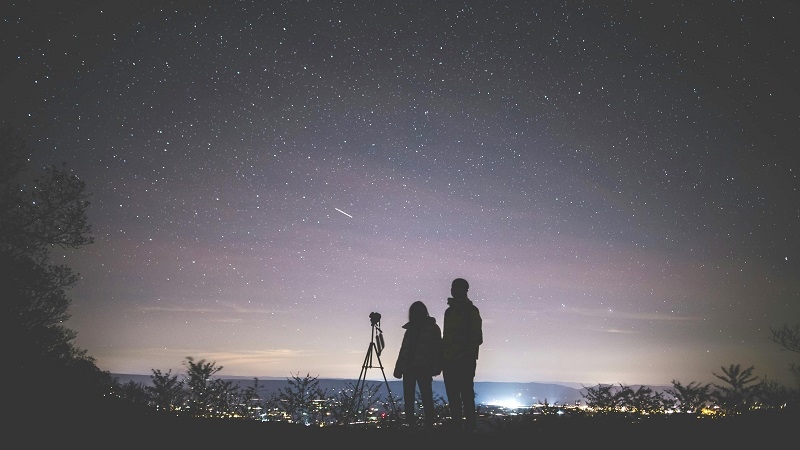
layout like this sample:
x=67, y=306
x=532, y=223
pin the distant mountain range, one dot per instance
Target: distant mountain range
x=487, y=392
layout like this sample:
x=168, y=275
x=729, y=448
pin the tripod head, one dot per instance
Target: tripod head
x=375, y=319
x=377, y=334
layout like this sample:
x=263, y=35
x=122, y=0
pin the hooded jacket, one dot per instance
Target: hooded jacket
x=421, y=350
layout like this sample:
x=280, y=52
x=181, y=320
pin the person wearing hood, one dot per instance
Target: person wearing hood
x=419, y=360
x=463, y=335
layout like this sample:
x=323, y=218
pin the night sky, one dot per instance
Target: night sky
x=618, y=181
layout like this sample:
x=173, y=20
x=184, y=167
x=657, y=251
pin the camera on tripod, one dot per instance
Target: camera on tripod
x=377, y=333
x=374, y=318
x=376, y=346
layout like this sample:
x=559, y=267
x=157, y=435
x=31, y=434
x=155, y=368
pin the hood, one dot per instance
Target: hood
x=427, y=320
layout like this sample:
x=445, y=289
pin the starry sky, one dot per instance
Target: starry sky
x=617, y=180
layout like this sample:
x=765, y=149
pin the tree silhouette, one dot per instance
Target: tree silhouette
x=303, y=400
x=691, y=398
x=208, y=396
x=773, y=395
x=167, y=393
x=247, y=403
x=36, y=215
x=340, y=404
x=135, y=393
x=738, y=392
x=602, y=398
x=643, y=400
x=357, y=405
x=789, y=338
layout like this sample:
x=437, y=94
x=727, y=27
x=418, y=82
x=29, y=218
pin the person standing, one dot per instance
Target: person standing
x=419, y=360
x=462, y=336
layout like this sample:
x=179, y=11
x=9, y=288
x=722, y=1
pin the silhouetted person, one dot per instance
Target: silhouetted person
x=419, y=360
x=463, y=335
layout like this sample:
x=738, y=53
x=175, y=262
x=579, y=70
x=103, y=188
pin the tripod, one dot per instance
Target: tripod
x=376, y=345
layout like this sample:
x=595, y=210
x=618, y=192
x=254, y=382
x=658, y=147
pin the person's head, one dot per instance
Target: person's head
x=459, y=288
x=417, y=311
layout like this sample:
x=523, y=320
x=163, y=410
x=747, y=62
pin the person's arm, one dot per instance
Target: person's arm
x=476, y=330
x=436, y=351
x=400, y=363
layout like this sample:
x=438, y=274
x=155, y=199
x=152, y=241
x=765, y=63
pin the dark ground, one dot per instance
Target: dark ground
x=124, y=428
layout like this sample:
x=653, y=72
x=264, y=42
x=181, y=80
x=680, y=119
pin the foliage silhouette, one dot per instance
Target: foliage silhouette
x=303, y=400
x=738, y=392
x=167, y=393
x=691, y=398
x=207, y=396
x=36, y=215
x=345, y=400
x=788, y=337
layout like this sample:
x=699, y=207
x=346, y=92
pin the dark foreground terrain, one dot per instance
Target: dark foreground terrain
x=125, y=428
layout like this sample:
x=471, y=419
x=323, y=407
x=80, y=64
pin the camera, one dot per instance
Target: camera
x=374, y=318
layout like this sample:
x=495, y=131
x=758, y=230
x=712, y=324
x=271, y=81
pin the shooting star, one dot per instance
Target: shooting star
x=348, y=215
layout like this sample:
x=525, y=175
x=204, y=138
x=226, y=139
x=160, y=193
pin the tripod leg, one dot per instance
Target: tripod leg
x=358, y=390
x=388, y=389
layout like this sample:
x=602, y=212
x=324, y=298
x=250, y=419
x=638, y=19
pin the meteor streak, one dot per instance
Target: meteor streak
x=348, y=215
